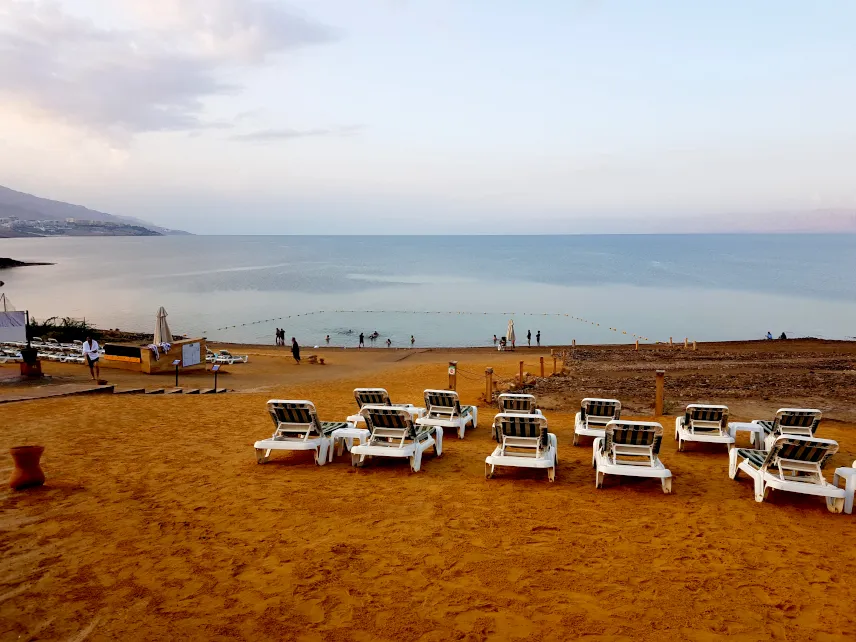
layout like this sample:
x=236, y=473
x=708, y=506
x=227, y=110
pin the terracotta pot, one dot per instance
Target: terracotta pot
x=27, y=471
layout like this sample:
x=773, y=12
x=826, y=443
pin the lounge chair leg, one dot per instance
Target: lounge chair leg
x=416, y=461
x=357, y=460
x=667, y=485
x=680, y=445
x=733, y=470
x=598, y=479
x=576, y=439
x=760, y=490
x=262, y=456
x=835, y=504
x=551, y=474
x=488, y=471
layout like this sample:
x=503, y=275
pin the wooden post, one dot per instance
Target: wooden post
x=659, y=393
x=637, y=345
x=554, y=363
x=574, y=343
x=542, y=367
x=453, y=375
x=670, y=342
x=488, y=384
x=694, y=346
x=521, y=374
x=686, y=342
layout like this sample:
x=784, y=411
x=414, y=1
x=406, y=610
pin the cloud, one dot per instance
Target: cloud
x=155, y=77
x=271, y=135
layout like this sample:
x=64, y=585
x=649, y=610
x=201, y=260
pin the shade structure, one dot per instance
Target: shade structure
x=162, y=333
x=509, y=335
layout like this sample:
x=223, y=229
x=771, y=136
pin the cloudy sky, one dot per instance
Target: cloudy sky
x=436, y=116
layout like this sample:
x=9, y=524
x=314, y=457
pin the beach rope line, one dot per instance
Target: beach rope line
x=525, y=314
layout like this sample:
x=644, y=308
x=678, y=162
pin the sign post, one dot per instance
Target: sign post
x=215, y=370
x=453, y=375
x=176, y=363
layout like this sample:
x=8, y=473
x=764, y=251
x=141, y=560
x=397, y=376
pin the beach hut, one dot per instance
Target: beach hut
x=162, y=333
x=509, y=335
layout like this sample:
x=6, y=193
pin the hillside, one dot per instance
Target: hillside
x=27, y=207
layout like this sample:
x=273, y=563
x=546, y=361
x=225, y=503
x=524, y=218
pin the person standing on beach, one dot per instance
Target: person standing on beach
x=90, y=352
x=538, y=338
x=295, y=350
x=529, y=338
x=362, y=341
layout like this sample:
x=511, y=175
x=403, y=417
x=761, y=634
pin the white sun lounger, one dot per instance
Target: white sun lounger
x=630, y=448
x=794, y=464
x=376, y=397
x=593, y=416
x=704, y=424
x=444, y=410
x=518, y=403
x=524, y=442
x=227, y=358
x=297, y=428
x=394, y=434
x=802, y=422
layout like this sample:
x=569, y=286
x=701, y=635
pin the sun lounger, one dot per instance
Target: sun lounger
x=376, y=397
x=593, y=416
x=524, y=442
x=227, y=358
x=444, y=410
x=792, y=463
x=297, y=428
x=518, y=404
x=802, y=422
x=704, y=424
x=630, y=448
x=394, y=434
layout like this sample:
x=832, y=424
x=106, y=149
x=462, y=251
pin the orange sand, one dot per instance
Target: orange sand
x=156, y=523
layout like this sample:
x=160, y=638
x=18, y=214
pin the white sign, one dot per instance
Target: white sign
x=451, y=370
x=13, y=327
x=190, y=354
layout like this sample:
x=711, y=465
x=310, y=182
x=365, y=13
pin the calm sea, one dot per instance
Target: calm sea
x=704, y=287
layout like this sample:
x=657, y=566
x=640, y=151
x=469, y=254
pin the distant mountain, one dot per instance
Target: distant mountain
x=32, y=208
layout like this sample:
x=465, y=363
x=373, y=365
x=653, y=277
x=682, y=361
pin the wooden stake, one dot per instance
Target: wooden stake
x=453, y=375
x=694, y=346
x=686, y=342
x=542, y=367
x=670, y=342
x=521, y=374
x=488, y=384
x=659, y=393
x=555, y=358
x=637, y=345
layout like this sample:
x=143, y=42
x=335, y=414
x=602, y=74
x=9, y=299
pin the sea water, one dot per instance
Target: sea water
x=447, y=291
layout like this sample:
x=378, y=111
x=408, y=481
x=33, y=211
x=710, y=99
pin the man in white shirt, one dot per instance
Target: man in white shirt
x=90, y=351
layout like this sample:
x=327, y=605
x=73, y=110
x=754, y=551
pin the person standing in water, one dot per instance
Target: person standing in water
x=362, y=341
x=328, y=339
x=295, y=350
x=494, y=339
x=412, y=340
x=389, y=343
x=529, y=338
x=538, y=338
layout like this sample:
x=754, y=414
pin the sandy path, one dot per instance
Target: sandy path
x=157, y=523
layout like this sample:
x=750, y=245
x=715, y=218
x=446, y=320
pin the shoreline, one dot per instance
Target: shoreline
x=7, y=263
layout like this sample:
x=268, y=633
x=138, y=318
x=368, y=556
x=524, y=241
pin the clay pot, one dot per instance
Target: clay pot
x=27, y=471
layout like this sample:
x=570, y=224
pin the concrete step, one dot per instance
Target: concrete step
x=206, y=391
x=174, y=391
x=130, y=391
x=155, y=391
x=192, y=391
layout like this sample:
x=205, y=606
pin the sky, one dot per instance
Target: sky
x=435, y=116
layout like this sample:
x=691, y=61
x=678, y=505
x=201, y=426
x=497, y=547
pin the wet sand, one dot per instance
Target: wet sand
x=156, y=522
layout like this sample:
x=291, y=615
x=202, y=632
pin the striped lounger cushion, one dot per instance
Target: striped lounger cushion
x=522, y=427
x=633, y=436
x=792, y=420
x=598, y=409
x=704, y=414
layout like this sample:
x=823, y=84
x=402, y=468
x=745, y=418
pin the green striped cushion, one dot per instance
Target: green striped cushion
x=516, y=404
x=291, y=413
x=755, y=457
x=630, y=434
x=371, y=397
x=329, y=426
x=704, y=413
x=600, y=408
x=521, y=426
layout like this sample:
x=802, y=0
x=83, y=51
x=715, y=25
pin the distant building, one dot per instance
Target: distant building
x=70, y=220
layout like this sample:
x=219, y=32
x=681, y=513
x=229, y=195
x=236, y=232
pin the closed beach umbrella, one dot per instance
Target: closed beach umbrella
x=509, y=335
x=162, y=333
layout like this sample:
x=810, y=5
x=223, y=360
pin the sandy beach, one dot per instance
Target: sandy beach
x=156, y=521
